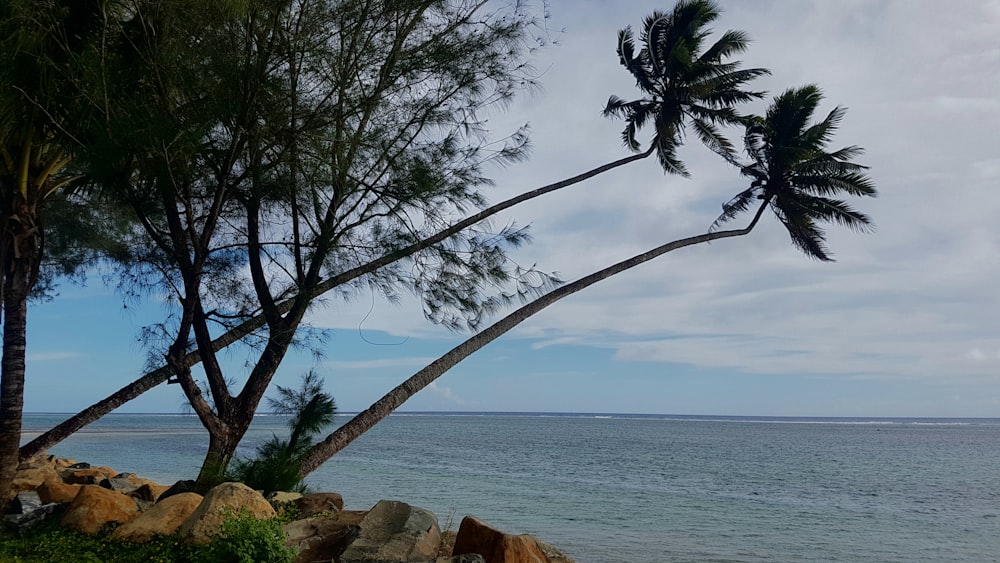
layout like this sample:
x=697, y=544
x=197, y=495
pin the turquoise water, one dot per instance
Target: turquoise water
x=625, y=488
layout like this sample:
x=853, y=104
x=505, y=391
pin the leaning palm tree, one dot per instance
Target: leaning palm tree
x=792, y=174
x=684, y=86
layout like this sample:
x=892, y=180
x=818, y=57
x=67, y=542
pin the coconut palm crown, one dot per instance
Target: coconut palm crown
x=793, y=173
x=684, y=85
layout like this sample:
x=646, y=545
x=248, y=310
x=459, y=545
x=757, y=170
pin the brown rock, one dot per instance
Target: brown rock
x=162, y=519
x=89, y=476
x=94, y=507
x=225, y=499
x=32, y=476
x=554, y=555
x=149, y=492
x=320, y=539
x=317, y=503
x=54, y=490
x=64, y=463
x=474, y=536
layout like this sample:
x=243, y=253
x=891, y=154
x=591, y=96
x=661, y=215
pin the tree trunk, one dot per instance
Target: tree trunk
x=153, y=378
x=366, y=419
x=22, y=253
x=221, y=449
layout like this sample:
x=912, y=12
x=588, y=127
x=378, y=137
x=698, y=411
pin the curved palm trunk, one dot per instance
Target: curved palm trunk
x=153, y=378
x=366, y=419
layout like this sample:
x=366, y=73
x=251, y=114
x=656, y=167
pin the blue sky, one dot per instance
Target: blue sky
x=905, y=323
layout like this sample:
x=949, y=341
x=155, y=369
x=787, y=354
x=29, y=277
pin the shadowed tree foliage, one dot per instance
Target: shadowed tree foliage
x=707, y=104
x=46, y=231
x=277, y=465
x=792, y=174
x=686, y=85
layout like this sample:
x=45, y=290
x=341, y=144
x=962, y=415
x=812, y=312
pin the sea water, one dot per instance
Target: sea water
x=644, y=488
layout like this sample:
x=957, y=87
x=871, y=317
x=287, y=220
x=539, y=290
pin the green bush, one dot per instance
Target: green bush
x=50, y=543
x=276, y=465
x=246, y=539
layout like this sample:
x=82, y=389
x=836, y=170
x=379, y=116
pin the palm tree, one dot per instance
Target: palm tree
x=792, y=174
x=796, y=177
x=685, y=86
x=32, y=171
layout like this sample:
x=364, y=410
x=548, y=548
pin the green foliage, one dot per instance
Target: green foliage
x=246, y=539
x=276, y=466
x=51, y=543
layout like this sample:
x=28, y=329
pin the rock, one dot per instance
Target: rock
x=88, y=476
x=206, y=521
x=395, y=531
x=187, y=486
x=151, y=492
x=81, y=465
x=554, y=555
x=65, y=463
x=317, y=503
x=119, y=485
x=281, y=497
x=320, y=539
x=161, y=519
x=55, y=490
x=466, y=558
x=32, y=476
x=20, y=523
x=24, y=502
x=95, y=507
x=474, y=536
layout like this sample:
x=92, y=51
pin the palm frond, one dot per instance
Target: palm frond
x=735, y=207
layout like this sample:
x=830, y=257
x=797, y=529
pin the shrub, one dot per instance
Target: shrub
x=246, y=539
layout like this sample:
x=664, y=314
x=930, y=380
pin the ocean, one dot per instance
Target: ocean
x=643, y=488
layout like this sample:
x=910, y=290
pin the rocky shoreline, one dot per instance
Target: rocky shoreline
x=97, y=499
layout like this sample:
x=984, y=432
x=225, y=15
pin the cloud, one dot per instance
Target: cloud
x=415, y=362
x=445, y=393
x=51, y=356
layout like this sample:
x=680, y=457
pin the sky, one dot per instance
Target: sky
x=906, y=322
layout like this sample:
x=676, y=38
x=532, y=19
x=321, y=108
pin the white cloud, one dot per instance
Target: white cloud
x=51, y=356
x=445, y=393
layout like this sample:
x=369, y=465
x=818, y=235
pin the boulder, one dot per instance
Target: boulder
x=395, y=531
x=150, y=492
x=62, y=463
x=187, y=486
x=31, y=477
x=24, y=502
x=87, y=476
x=474, y=536
x=123, y=486
x=95, y=507
x=320, y=539
x=54, y=490
x=225, y=499
x=161, y=519
x=466, y=558
x=278, y=498
x=554, y=555
x=317, y=503
x=20, y=523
